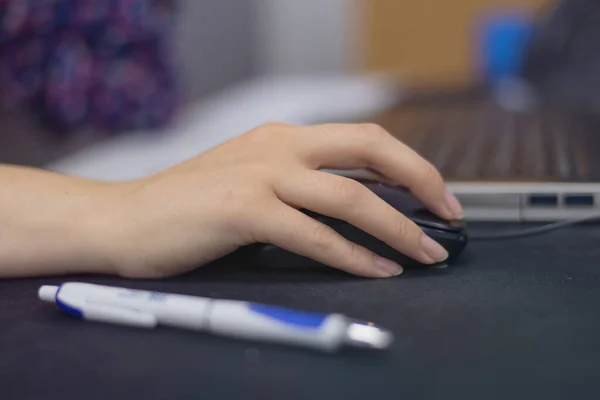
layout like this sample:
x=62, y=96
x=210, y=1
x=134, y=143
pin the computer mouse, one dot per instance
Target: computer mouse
x=452, y=235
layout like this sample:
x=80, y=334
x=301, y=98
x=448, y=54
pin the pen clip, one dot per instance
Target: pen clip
x=118, y=315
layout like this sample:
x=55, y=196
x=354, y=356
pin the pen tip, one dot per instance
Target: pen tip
x=47, y=293
x=368, y=335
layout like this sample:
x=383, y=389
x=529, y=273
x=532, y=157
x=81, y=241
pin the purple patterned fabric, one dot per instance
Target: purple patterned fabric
x=105, y=63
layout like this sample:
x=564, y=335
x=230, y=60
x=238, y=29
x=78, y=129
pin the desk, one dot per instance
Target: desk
x=510, y=319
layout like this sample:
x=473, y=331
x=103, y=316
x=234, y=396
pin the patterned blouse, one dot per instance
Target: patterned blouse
x=109, y=64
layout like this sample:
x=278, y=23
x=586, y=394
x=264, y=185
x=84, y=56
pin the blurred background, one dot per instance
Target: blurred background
x=120, y=89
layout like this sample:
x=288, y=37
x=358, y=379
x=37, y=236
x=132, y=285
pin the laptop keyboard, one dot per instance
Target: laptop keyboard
x=484, y=141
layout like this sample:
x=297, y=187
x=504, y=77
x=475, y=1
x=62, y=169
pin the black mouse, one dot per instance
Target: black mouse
x=452, y=235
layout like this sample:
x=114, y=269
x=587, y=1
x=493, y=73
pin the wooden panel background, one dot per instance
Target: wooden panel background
x=428, y=43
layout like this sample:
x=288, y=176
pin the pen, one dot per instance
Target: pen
x=230, y=318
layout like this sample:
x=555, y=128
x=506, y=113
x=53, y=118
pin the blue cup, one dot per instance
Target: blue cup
x=504, y=42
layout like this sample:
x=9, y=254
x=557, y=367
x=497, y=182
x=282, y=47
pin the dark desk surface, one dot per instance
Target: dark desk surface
x=511, y=319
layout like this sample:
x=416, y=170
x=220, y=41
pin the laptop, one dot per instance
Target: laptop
x=509, y=160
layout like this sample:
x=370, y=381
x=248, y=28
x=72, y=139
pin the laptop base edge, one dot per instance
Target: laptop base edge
x=527, y=202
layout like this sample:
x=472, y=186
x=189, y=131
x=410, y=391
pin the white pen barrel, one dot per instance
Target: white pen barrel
x=274, y=324
x=174, y=310
x=236, y=319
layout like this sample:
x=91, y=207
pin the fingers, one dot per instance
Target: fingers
x=292, y=230
x=369, y=146
x=349, y=200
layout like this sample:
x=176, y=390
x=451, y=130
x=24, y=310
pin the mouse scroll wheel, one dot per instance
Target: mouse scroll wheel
x=426, y=218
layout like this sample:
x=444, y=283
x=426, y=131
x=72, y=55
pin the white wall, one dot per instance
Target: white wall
x=225, y=40
x=217, y=41
x=305, y=36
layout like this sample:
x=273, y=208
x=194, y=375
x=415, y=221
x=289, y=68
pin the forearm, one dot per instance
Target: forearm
x=50, y=223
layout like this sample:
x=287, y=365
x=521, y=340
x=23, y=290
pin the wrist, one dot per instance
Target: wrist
x=68, y=231
x=106, y=229
x=52, y=224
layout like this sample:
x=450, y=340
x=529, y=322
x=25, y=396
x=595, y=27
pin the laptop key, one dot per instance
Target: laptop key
x=470, y=141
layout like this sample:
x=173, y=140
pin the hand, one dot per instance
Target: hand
x=250, y=189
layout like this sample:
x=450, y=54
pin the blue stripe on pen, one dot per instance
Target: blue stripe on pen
x=291, y=317
x=65, y=307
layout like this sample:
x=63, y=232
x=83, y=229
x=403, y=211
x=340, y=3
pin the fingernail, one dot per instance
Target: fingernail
x=454, y=206
x=388, y=267
x=433, y=249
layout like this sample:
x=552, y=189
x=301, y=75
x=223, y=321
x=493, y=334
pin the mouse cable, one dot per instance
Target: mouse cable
x=538, y=230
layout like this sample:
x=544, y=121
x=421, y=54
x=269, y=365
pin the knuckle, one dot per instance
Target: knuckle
x=326, y=244
x=258, y=134
x=430, y=173
x=372, y=133
x=404, y=228
x=266, y=131
x=355, y=253
x=350, y=192
x=370, y=138
x=271, y=134
x=274, y=125
x=322, y=238
x=372, y=128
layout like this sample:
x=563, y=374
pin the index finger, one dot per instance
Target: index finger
x=347, y=146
